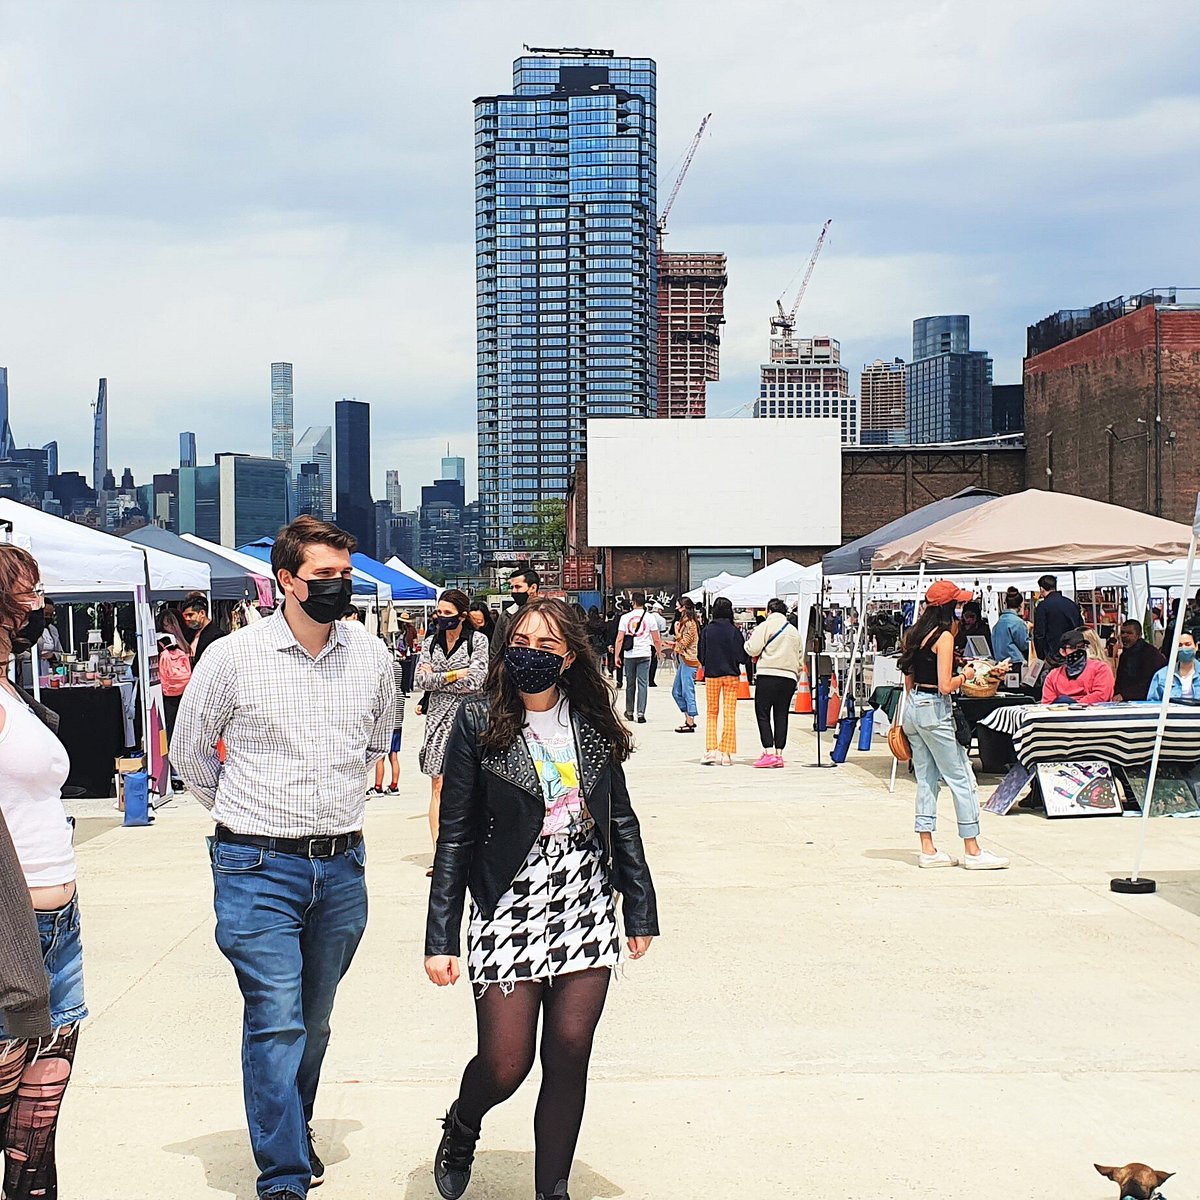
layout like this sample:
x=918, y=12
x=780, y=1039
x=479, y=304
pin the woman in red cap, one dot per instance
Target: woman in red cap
x=927, y=662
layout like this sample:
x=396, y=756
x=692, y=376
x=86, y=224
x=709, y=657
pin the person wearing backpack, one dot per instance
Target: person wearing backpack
x=174, y=672
x=777, y=649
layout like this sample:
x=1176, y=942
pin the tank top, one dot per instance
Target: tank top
x=925, y=665
x=33, y=768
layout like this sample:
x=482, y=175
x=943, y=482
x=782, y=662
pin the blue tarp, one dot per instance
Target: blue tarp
x=404, y=587
x=262, y=551
x=854, y=558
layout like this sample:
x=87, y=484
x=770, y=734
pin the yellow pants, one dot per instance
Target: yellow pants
x=724, y=688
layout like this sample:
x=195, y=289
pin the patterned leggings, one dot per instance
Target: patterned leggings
x=33, y=1080
x=724, y=688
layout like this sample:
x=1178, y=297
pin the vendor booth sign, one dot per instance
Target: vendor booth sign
x=1079, y=789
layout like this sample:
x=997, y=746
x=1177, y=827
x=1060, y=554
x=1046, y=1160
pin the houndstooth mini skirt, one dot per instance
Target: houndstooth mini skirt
x=559, y=916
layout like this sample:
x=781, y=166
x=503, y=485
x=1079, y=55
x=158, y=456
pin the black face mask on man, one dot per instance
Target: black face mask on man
x=328, y=599
x=520, y=599
x=533, y=671
x=34, y=627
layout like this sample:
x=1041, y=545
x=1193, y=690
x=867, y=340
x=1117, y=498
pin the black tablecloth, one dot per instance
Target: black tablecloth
x=92, y=727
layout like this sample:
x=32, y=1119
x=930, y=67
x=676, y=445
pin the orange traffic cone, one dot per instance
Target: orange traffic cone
x=835, y=702
x=743, y=685
x=803, y=693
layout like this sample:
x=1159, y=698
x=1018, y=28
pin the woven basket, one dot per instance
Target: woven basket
x=982, y=689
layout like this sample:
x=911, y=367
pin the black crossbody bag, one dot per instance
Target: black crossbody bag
x=630, y=639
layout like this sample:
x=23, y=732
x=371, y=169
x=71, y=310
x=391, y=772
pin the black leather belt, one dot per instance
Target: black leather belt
x=311, y=847
x=934, y=691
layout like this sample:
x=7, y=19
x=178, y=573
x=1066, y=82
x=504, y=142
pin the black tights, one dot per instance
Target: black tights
x=571, y=1008
x=33, y=1078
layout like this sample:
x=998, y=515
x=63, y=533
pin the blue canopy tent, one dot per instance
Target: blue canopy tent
x=403, y=586
x=364, y=584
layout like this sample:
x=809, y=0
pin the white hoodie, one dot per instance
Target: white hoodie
x=777, y=655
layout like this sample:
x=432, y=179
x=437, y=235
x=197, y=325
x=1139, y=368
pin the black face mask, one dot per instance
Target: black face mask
x=1075, y=661
x=328, y=599
x=533, y=671
x=520, y=598
x=34, y=627
x=446, y=624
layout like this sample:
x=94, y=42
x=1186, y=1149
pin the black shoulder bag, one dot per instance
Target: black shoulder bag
x=630, y=639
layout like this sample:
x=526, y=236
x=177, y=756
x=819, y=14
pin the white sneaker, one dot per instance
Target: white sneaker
x=939, y=858
x=985, y=860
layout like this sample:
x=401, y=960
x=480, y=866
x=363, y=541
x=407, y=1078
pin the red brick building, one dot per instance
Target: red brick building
x=1112, y=402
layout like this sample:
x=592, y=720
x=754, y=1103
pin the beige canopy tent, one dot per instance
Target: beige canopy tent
x=1034, y=529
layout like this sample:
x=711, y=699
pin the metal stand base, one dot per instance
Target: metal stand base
x=1133, y=887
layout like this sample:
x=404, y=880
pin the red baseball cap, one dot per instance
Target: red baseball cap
x=942, y=591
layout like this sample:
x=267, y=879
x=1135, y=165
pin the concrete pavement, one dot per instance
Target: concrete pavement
x=819, y=1018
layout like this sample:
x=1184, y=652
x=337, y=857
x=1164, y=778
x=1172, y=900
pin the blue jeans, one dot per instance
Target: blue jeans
x=62, y=953
x=290, y=926
x=936, y=755
x=637, y=684
x=683, y=692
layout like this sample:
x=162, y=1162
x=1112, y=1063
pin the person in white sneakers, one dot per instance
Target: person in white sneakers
x=927, y=662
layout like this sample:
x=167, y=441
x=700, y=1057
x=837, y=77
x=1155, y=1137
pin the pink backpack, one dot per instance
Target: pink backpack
x=174, y=671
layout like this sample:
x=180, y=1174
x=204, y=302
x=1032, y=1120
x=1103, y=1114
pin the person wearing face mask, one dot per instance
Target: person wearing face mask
x=305, y=706
x=35, y=1070
x=203, y=630
x=524, y=587
x=1081, y=679
x=1183, y=678
x=454, y=665
x=537, y=824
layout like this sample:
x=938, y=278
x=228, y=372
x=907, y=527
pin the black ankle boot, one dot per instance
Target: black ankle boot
x=455, y=1156
x=559, y=1193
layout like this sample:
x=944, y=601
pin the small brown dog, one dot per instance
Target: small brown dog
x=1135, y=1179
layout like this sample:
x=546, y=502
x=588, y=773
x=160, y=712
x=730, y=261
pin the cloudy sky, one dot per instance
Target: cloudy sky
x=190, y=189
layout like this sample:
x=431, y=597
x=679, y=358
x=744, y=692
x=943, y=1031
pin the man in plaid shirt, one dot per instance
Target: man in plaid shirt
x=304, y=705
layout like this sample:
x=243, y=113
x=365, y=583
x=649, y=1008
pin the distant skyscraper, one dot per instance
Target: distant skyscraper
x=354, y=506
x=314, y=488
x=442, y=507
x=691, y=308
x=805, y=378
x=6, y=437
x=253, y=497
x=51, y=449
x=881, y=404
x=565, y=178
x=949, y=385
x=187, y=449
x=200, y=501
x=1008, y=408
x=100, y=436
x=393, y=492
x=282, y=430
x=127, y=484
x=454, y=468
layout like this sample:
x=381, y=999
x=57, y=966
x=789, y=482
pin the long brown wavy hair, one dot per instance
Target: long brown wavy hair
x=18, y=570
x=581, y=683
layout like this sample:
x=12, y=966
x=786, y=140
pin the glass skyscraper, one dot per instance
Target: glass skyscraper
x=282, y=431
x=948, y=387
x=352, y=480
x=566, y=271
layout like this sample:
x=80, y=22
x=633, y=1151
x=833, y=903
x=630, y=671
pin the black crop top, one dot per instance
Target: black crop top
x=925, y=665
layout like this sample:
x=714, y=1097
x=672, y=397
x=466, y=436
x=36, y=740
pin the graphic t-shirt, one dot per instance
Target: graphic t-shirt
x=642, y=625
x=551, y=743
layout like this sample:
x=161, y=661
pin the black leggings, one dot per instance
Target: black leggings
x=507, y=1024
x=773, y=696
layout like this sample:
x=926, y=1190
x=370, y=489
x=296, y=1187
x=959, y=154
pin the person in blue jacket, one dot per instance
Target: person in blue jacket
x=1183, y=678
x=1010, y=636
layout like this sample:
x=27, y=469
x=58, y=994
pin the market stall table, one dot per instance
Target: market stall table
x=92, y=728
x=996, y=752
x=1114, y=733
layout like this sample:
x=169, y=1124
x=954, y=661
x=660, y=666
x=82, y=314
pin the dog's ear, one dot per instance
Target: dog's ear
x=1107, y=1172
x=1163, y=1176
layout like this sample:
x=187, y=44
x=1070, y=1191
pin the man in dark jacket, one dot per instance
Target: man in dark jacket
x=1137, y=665
x=1054, y=616
x=196, y=617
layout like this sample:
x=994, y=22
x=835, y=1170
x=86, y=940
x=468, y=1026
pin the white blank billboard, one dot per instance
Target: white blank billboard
x=716, y=482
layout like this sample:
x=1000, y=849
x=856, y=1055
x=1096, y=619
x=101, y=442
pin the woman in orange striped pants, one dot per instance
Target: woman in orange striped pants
x=722, y=655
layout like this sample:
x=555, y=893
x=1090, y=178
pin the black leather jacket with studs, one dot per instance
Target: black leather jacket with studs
x=493, y=811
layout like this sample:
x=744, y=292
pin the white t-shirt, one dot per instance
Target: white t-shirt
x=33, y=768
x=642, y=625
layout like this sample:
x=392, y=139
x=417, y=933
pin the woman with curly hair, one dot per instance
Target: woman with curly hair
x=537, y=824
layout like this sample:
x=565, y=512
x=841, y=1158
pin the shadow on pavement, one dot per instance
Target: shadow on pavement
x=908, y=857
x=1181, y=888
x=229, y=1164
x=504, y=1174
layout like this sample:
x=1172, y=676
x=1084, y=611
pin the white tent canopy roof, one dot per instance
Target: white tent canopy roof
x=756, y=589
x=398, y=564
x=78, y=561
x=712, y=586
x=249, y=564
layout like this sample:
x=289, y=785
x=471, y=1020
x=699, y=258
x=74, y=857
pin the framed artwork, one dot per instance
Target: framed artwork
x=1174, y=792
x=1079, y=789
x=1011, y=788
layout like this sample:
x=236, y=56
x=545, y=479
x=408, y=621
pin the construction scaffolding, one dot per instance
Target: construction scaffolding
x=691, y=310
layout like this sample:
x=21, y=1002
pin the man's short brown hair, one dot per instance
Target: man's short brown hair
x=287, y=554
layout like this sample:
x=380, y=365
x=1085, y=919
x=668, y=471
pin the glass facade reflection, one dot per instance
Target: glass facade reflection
x=948, y=385
x=566, y=273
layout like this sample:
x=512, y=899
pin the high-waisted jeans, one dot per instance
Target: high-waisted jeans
x=683, y=691
x=937, y=756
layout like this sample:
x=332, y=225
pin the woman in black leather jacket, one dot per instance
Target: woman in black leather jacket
x=536, y=822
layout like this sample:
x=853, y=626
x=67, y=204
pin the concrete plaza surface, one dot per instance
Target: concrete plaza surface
x=819, y=1017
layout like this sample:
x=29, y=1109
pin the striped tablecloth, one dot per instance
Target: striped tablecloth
x=1115, y=733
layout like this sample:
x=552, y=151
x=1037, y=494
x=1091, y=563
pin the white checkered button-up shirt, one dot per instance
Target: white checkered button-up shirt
x=300, y=733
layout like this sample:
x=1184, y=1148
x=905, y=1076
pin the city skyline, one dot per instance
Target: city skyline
x=1046, y=207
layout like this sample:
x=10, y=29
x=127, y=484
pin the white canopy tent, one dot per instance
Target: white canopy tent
x=248, y=563
x=398, y=564
x=757, y=588
x=710, y=587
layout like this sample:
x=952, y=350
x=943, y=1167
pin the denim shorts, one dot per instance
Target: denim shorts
x=62, y=952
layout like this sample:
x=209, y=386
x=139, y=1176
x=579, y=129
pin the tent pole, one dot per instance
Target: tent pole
x=1159, y=732
x=904, y=692
x=858, y=633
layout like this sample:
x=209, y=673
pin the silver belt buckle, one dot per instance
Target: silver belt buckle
x=321, y=847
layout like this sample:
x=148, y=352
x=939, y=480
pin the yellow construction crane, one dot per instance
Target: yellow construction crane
x=687, y=162
x=785, y=322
